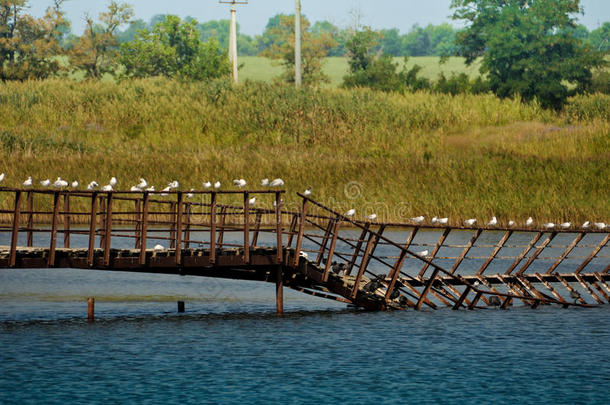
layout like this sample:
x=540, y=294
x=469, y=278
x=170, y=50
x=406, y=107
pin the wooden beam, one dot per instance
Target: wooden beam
x=66, y=220
x=278, y=228
x=179, y=208
x=565, y=253
x=466, y=250
x=246, y=227
x=51, y=258
x=537, y=253
x=439, y=244
x=145, y=204
x=524, y=252
x=495, y=252
x=15, y=230
x=395, y=272
x=297, y=253
x=593, y=254
x=331, y=249
x=92, y=226
x=30, y=225
x=352, y=262
x=213, y=228
x=108, y=230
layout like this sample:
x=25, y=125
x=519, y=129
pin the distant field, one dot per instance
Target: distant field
x=265, y=69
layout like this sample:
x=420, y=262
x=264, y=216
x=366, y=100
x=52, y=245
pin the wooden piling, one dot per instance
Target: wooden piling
x=279, y=290
x=91, y=309
x=180, y=306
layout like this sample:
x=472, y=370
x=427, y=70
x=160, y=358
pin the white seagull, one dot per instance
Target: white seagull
x=434, y=220
x=59, y=183
x=113, y=182
x=93, y=185
x=511, y=223
x=107, y=187
x=423, y=253
x=307, y=192
x=75, y=184
x=470, y=222
x=600, y=225
x=265, y=182
x=418, y=220
x=2, y=177
x=158, y=248
x=174, y=184
x=252, y=201
x=239, y=183
x=135, y=188
x=165, y=191
x=443, y=221
x=191, y=195
x=372, y=217
x=207, y=184
x=45, y=183
x=566, y=225
x=217, y=185
x=28, y=182
x=586, y=225
x=151, y=188
x=529, y=222
x=549, y=225
x=142, y=184
x=276, y=183
x=493, y=222
x=350, y=213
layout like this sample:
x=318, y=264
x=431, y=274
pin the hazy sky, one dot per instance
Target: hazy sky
x=253, y=17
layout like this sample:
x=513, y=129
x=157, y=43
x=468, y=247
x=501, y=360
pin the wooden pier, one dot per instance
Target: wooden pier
x=315, y=250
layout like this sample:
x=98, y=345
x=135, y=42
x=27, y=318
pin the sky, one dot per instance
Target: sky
x=253, y=17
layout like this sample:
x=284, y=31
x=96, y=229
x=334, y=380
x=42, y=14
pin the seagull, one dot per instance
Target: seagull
x=151, y=188
x=372, y=217
x=28, y=182
x=549, y=225
x=135, y=188
x=158, y=248
x=174, y=184
x=423, y=253
x=434, y=220
x=303, y=254
x=265, y=182
x=307, y=192
x=165, y=191
x=2, y=177
x=107, y=187
x=75, y=184
x=191, y=195
x=418, y=220
x=529, y=222
x=566, y=225
x=350, y=213
x=276, y=183
x=59, y=183
x=45, y=183
x=207, y=184
x=470, y=222
x=443, y=221
x=600, y=225
x=252, y=201
x=113, y=181
x=586, y=225
x=93, y=185
x=240, y=183
x=493, y=221
x=142, y=184
x=217, y=185
x=511, y=223
x=476, y=284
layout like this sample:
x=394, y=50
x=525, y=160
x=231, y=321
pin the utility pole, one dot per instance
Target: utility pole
x=297, y=45
x=233, y=36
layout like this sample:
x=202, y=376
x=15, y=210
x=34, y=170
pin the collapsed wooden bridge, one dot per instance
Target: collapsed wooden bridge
x=315, y=250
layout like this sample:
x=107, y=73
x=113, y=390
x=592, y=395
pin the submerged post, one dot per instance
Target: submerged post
x=279, y=291
x=91, y=309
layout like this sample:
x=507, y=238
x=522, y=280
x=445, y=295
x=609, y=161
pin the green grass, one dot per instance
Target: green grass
x=400, y=155
x=264, y=69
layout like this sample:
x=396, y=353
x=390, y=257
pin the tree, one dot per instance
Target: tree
x=29, y=46
x=526, y=47
x=314, y=48
x=599, y=38
x=96, y=50
x=174, y=49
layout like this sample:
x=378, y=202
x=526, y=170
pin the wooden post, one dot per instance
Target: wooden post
x=427, y=288
x=15, y=233
x=92, y=225
x=279, y=290
x=221, y=234
x=30, y=208
x=138, y=207
x=180, y=306
x=395, y=272
x=91, y=309
x=292, y=229
x=593, y=254
x=537, y=253
x=187, y=227
x=466, y=250
x=495, y=252
x=352, y=262
x=363, y=263
x=144, y=229
x=66, y=220
x=524, y=253
x=331, y=249
x=278, y=227
x=257, y=226
x=178, y=254
x=102, y=205
x=246, y=228
x=213, y=228
x=566, y=252
x=435, y=251
x=51, y=258
x=172, y=228
x=108, y=230
x=297, y=253
x=327, y=232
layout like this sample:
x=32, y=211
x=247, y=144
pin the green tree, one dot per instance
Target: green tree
x=314, y=48
x=96, y=50
x=28, y=45
x=599, y=38
x=526, y=47
x=174, y=49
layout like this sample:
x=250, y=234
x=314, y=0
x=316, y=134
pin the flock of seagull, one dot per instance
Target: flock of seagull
x=241, y=183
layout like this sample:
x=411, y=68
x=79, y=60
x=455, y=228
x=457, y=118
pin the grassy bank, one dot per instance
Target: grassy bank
x=399, y=155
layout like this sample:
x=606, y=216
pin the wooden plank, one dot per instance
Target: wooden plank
x=327, y=233
x=602, y=282
x=395, y=272
x=15, y=231
x=145, y=205
x=566, y=252
x=246, y=227
x=331, y=249
x=179, y=207
x=459, y=302
x=495, y=252
x=297, y=253
x=514, y=289
x=601, y=291
x=257, y=227
x=30, y=225
x=476, y=299
x=439, y=244
x=92, y=225
x=593, y=254
x=537, y=253
x=53, y=242
x=278, y=228
x=570, y=288
x=352, y=262
x=524, y=252
x=292, y=229
x=549, y=287
x=102, y=205
x=213, y=228
x=187, y=226
x=427, y=289
x=363, y=263
x=223, y=220
x=66, y=220
x=466, y=250
x=108, y=230
x=172, y=226
x=138, y=207
x=588, y=288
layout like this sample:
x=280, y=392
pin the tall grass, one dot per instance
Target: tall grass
x=400, y=155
